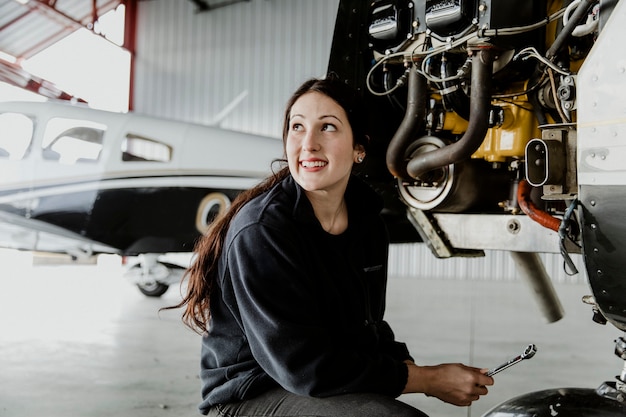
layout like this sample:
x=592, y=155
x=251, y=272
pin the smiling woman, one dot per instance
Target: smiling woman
x=321, y=151
x=288, y=285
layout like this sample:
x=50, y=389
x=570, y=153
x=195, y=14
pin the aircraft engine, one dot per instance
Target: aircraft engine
x=475, y=123
x=468, y=77
x=499, y=125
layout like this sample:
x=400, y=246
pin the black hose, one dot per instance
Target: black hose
x=480, y=105
x=581, y=11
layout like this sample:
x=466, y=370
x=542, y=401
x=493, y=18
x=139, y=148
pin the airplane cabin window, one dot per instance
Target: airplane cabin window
x=16, y=135
x=72, y=141
x=137, y=148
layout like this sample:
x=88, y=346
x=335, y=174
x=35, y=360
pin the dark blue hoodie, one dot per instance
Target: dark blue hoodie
x=298, y=307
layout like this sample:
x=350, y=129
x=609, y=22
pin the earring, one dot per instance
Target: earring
x=359, y=159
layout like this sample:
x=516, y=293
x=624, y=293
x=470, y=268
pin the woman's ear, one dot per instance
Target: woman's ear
x=359, y=153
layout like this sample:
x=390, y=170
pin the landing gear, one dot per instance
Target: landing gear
x=153, y=274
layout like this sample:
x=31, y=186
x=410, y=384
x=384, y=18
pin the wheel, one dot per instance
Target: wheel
x=153, y=289
x=570, y=402
x=151, y=281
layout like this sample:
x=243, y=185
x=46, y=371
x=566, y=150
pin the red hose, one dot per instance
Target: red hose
x=532, y=211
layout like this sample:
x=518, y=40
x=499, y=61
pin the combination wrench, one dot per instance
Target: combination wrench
x=528, y=353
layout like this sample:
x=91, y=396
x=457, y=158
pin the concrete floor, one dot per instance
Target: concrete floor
x=80, y=341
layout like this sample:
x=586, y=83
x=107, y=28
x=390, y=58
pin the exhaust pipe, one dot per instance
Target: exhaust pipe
x=534, y=273
x=412, y=123
x=480, y=101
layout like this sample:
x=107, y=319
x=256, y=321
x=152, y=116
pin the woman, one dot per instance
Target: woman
x=288, y=287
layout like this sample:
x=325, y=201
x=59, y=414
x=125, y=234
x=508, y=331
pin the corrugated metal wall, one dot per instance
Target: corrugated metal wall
x=416, y=260
x=190, y=65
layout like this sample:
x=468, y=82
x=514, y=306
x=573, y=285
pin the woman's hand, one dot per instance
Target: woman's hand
x=453, y=383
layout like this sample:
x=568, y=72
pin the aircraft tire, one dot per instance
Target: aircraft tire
x=155, y=289
x=570, y=402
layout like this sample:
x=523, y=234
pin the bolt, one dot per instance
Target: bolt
x=513, y=226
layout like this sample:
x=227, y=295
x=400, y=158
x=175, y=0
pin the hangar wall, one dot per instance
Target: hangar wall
x=190, y=65
x=415, y=259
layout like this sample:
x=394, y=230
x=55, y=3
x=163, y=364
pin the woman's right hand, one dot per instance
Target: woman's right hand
x=453, y=383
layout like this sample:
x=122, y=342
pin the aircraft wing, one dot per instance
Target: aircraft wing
x=17, y=232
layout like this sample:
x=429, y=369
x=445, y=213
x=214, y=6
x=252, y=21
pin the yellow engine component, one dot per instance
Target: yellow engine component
x=509, y=139
x=454, y=123
x=504, y=142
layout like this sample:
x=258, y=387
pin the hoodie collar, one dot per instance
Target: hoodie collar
x=361, y=199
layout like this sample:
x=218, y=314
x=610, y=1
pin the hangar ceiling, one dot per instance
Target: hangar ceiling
x=27, y=27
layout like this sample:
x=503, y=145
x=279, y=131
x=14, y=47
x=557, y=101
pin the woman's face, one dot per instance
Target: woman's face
x=319, y=145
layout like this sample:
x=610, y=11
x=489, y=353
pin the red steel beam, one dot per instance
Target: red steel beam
x=130, y=44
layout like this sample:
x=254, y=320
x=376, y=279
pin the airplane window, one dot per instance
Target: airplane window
x=73, y=141
x=140, y=149
x=16, y=135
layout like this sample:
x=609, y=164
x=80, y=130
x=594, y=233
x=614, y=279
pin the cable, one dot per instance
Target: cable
x=522, y=29
x=563, y=234
x=415, y=56
x=555, y=97
x=532, y=52
x=374, y=67
x=482, y=34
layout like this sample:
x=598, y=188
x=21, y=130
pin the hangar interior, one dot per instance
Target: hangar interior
x=81, y=342
x=194, y=61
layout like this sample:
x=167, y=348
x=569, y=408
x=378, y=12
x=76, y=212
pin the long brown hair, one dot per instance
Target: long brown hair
x=202, y=274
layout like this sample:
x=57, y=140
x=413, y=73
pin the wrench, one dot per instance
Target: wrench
x=528, y=353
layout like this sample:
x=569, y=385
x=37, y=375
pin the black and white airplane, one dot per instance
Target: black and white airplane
x=81, y=181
